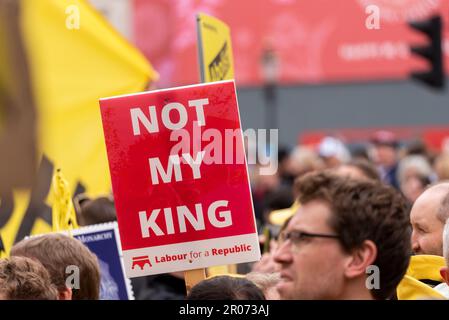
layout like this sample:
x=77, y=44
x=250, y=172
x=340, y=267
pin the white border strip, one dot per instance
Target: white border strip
x=157, y=256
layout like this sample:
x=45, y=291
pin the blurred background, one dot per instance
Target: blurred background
x=331, y=71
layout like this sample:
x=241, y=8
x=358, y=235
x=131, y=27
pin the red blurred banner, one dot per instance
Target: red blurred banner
x=316, y=40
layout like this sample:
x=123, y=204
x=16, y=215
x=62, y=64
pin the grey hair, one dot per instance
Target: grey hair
x=264, y=280
x=419, y=163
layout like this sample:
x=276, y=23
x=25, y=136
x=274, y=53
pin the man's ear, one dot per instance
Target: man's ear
x=445, y=274
x=360, y=258
x=65, y=294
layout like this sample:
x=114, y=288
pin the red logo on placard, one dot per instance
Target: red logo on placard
x=141, y=262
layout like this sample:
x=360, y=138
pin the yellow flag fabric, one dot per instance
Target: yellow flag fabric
x=214, y=49
x=63, y=212
x=71, y=69
x=421, y=267
x=75, y=58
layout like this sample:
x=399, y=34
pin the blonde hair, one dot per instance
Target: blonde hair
x=264, y=281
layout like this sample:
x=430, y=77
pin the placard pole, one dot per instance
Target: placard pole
x=192, y=277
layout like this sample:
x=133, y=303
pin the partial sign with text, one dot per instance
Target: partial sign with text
x=103, y=240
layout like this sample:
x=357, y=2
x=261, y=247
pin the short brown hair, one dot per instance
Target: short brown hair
x=25, y=279
x=56, y=252
x=365, y=210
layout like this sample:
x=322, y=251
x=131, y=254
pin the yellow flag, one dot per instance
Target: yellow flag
x=63, y=212
x=214, y=49
x=75, y=57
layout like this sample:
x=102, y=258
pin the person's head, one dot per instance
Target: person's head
x=414, y=174
x=94, y=211
x=225, y=288
x=25, y=279
x=333, y=152
x=427, y=217
x=342, y=227
x=64, y=258
x=445, y=270
x=266, y=282
x=358, y=169
x=385, y=145
x=441, y=166
x=302, y=160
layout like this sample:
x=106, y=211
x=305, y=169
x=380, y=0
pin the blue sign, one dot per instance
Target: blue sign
x=103, y=240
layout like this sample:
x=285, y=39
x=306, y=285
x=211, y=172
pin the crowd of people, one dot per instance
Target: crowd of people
x=334, y=223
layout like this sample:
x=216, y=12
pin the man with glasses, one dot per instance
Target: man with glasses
x=344, y=232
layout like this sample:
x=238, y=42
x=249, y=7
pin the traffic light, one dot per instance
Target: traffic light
x=432, y=52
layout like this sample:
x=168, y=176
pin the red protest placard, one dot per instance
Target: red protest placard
x=180, y=178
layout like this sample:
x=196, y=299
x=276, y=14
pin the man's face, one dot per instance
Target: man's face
x=384, y=155
x=427, y=228
x=313, y=268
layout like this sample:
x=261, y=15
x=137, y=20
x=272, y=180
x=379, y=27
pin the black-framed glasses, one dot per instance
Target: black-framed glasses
x=296, y=237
